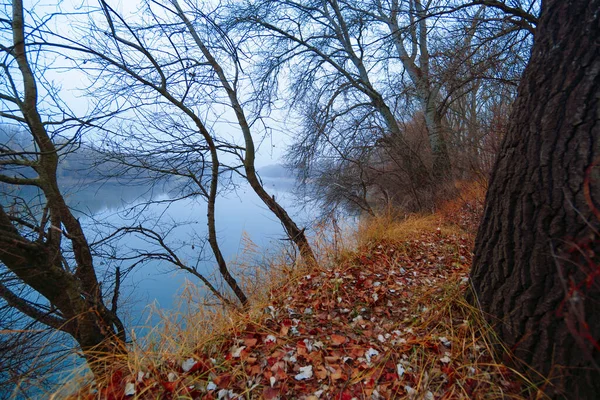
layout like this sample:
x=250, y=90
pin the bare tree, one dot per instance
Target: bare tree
x=374, y=66
x=483, y=67
x=147, y=78
x=170, y=69
x=331, y=56
x=230, y=85
x=409, y=30
x=42, y=244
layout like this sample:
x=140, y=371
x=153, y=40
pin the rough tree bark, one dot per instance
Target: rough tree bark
x=536, y=271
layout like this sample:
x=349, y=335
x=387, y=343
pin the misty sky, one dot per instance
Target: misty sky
x=72, y=82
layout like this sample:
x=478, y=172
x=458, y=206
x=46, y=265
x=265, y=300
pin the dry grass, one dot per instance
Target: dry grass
x=196, y=324
x=473, y=370
x=419, y=322
x=386, y=228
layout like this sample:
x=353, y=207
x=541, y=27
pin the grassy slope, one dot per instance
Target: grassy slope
x=385, y=320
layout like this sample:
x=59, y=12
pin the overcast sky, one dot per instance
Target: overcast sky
x=72, y=81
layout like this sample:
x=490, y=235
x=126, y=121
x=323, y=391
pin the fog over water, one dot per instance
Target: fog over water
x=103, y=207
x=238, y=213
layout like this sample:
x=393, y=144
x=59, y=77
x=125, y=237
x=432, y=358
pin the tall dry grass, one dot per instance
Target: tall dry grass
x=200, y=330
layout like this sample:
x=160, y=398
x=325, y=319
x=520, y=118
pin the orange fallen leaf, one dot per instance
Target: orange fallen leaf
x=251, y=360
x=222, y=380
x=338, y=339
x=301, y=348
x=270, y=393
x=336, y=373
x=332, y=359
x=169, y=386
x=320, y=372
x=254, y=370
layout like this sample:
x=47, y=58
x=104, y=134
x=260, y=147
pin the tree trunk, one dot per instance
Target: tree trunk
x=83, y=315
x=441, y=166
x=72, y=290
x=536, y=271
x=294, y=233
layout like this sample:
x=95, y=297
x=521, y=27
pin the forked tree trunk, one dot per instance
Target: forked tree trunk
x=536, y=270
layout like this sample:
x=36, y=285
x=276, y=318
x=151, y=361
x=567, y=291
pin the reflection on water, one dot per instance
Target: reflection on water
x=92, y=198
x=238, y=214
x=101, y=207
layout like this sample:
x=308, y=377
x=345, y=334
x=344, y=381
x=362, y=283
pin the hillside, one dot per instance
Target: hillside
x=385, y=320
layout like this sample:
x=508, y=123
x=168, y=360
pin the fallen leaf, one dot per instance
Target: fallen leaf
x=270, y=393
x=226, y=394
x=400, y=369
x=169, y=386
x=410, y=391
x=336, y=374
x=237, y=351
x=129, y=389
x=371, y=353
x=270, y=339
x=320, y=372
x=338, y=339
x=331, y=359
x=222, y=380
x=188, y=364
x=346, y=395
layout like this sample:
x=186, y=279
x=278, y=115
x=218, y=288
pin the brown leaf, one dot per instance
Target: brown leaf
x=331, y=359
x=280, y=373
x=338, y=339
x=254, y=370
x=249, y=342
x=336, y=373
x=357, y=352
x=301, y=348
x=320, y=372
x=270, y=393
x=222, y=380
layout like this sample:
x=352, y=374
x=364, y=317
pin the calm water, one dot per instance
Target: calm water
x=155, y=283
x=238, y=215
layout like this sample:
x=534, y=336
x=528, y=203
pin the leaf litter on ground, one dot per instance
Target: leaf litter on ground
x=387, y=320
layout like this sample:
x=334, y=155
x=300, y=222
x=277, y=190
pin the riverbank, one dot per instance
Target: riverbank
x=386, y=319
